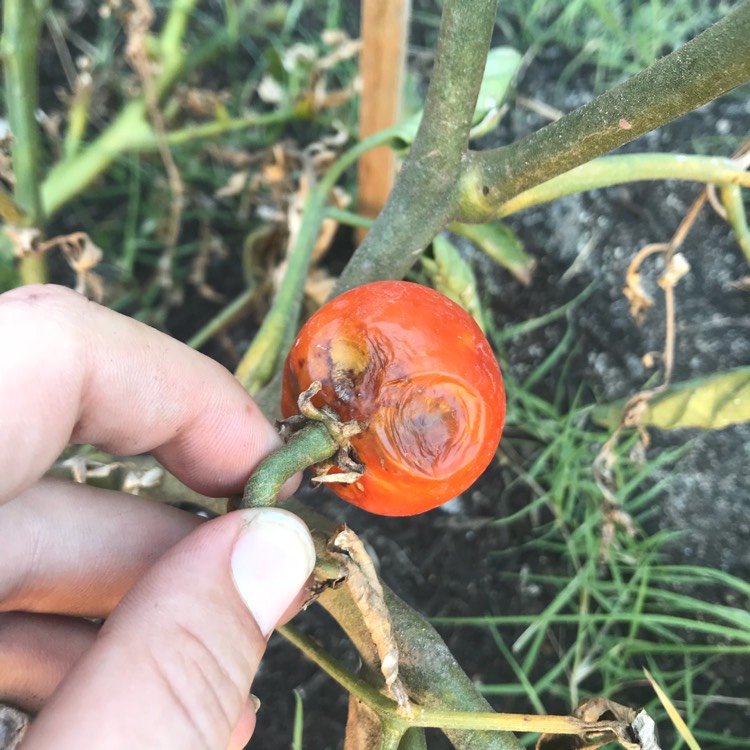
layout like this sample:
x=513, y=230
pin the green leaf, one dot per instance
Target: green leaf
x=500, y=243
x=499, y=74
x=710, y=403
x=454, y=277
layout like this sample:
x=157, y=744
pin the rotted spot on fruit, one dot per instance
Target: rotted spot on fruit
x=345, y=385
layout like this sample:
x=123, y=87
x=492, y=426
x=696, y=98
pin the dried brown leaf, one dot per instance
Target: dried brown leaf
x=201, y=102
x=607, y=721
x=319, y=286
x=367, y=592
x=236, y=183
x=640, y=301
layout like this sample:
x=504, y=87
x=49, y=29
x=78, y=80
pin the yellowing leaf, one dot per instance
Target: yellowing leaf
x=500, y=243
x=453, y=276
x=710, y=403
x=731, y=197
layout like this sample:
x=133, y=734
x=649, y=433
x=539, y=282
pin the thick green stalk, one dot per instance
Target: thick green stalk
x=423, y=195
x=22, y=21
x=130, y=131
x=711, y=64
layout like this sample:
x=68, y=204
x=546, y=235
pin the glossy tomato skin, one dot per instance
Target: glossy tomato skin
x=417, y=371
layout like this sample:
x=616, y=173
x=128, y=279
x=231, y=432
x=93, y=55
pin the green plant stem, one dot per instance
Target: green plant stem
x=706, y=67
x=131, y=132
x=312, y=444
x=616, y=170
x=225, y=318
x=422, y=199
x=424, y=717
x=337, y=671
x=264, y=355
x=170, y=44
x=22, y=21
x=232, y=124
x=731, y=197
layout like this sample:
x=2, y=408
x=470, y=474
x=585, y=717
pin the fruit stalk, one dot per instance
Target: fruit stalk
x=310, y=445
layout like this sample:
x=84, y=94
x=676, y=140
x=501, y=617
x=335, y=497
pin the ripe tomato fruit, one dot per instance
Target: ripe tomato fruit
x=417, y=371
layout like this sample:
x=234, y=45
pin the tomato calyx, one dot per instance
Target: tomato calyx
x=344, y=467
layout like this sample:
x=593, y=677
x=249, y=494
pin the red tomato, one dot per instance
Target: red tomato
x=417, y=371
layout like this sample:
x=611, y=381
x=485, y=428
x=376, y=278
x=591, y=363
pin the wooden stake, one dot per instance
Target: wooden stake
x=382, y=62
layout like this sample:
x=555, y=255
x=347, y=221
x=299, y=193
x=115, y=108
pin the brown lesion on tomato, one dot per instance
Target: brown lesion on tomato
x=348, y=359
x=420, y=427
x=357, y=363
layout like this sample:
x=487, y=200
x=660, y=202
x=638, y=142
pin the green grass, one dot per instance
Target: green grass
x=606, y=619
x=617, y=38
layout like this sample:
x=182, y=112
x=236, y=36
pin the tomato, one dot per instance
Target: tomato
x=416, y=370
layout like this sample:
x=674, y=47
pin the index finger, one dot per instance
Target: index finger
x=74, y=371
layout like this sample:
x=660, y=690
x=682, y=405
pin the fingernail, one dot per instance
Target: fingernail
x=271, y=561
x=255, y=702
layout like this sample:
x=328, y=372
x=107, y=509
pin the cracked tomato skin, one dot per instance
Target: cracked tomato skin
x=417, y=371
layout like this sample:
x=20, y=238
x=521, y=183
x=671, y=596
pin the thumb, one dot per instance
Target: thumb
x=173, y=664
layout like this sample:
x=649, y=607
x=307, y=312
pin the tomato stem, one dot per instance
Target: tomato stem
x=310, y=445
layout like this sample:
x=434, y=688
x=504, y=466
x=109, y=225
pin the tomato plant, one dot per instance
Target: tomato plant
x=417, y=372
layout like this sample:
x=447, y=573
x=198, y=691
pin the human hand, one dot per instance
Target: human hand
x=189, y=604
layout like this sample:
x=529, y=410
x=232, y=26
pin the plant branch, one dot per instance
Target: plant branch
x=312, y=444
x=170, y=44
x=706, y=67
x=226, y=317
x=616, y=170
x=22, y=20
x=131, y=132
x=337, y=671
x=423, y=195
x=427, y=668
